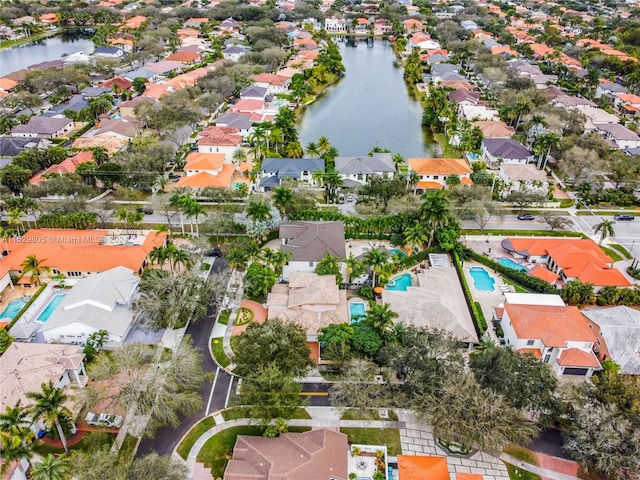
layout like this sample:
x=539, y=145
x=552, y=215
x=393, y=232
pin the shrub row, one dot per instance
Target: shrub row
x=523, y=279
x=479, y=321
x=26, y=307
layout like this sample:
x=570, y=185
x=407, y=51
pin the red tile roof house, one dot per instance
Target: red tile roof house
x=433, y=172
x=204, y=170
x=557, y=335
x=225, y=140
x=272, y=82
x=559, y=261
x=69, y=165
x=315, y=455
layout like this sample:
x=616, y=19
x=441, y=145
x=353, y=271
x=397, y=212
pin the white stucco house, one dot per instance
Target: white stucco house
x=99, y=302
x=356, y=171
x=523, y=177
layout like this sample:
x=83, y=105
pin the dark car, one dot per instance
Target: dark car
x=214, y=252
x=526, y=216
x=625, y=217
x=145, y=210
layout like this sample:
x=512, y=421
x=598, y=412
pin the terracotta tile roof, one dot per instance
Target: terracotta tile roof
x=629, y=98
x=419, y=467
x=204, y=161
x=121, y=82
x=315, y=455
x=181, y=81
x=439, y=166
x=271, y=79
x=468, y=476
x=466, y=181
x=602, y=277
x=574, y=357
x=541, y=49
x=24, y=367
x=184, y=57
x=156, y=90
x=544, y=274
x=69, y=165
x=429, y=185
x=188, y=32
x=494, y=129
x=554, y=325
x=7, y=84
x=533, y=351
x=135, y=22
x=204, y=179
x=247, y=105
x=79, y=250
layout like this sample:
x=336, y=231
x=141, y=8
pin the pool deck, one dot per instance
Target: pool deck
x=487, y=300
x=9, y=294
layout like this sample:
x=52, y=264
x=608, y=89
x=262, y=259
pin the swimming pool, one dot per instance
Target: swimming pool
x=50, y=308
x=356, y=311
x=507, y=262
x=482, y=280
x=13, y=308
x=397, y=251
x=399, y=283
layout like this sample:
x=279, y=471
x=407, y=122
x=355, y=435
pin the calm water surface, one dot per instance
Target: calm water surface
x=16, y=58
x=369, y=107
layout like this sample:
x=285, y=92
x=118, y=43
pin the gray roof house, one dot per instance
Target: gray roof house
x=618, y=135
x=356, y=171
x=43, y=127
x=505, y=149
x=12, y=146
x=309, y=241
x=75, y=104
x=618, y=336
x=274, y=170
x=241, y=121
x=97, y=302
x=254, y=91
x=109, y=52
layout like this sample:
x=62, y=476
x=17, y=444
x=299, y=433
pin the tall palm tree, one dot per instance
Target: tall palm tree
x=416, y=237
x=547, y=141
x=354, y=267
x=323, y=145
x=332, y=180
x=15, y=219
x=605, y=228
x=177, y=201
x=34, y=267
x=381, y=318
x=318, y=177
x=237, y=258
x=398, y=161
x=193, y=209
x=282, y=198
x=16, y=439
x=294, y=150
x=239, y=156
x=435, y=211
x=259, y=211
x=51, y=468
x=180, y=257
x=312, y=150
x=159, y=255
x=376, y=260
x=49, y=407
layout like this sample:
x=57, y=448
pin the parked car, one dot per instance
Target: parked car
x=350, y=198
x=624, y=217
x=145, y=210
x=214, y=252
x=175, y=178
x=526, y=216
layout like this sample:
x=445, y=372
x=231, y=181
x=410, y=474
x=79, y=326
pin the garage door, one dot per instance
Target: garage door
x=575, y=371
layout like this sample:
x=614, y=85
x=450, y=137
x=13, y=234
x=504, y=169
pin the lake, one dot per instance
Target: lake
x=370, y=107
x=22, y=56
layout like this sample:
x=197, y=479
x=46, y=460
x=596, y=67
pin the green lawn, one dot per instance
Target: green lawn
x=447, y=150
x=90, y=440
x=376, y=436
x=516, y=473
x=128, y=446
x=521, y=233
x=194, y=434
x=218, y=352
x=215, y=451
x=621, y=250
x=354, y=414
x=615, y=256
x=519, y=289
x=243, y=412
x=521, y=453
x=224, y=317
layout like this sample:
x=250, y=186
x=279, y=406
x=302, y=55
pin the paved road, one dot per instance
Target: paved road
x=509, y=222
x=317, y=394
x=627, y=233
x=549, y=442
x=167, y=438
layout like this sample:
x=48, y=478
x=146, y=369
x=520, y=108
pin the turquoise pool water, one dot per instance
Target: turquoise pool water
x=507, y=262
x=13, y=308
x=400, y=283
x=356, y=311
x=482, y=280
x=395, y=251
x=50, y=308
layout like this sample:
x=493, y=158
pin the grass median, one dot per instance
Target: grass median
x=218, y=352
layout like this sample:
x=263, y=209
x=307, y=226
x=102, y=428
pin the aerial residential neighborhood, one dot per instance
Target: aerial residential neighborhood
x=335, y=240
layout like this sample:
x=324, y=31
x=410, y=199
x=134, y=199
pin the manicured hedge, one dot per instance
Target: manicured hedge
x=524, y=279
x=479, y=322
x=27, y=305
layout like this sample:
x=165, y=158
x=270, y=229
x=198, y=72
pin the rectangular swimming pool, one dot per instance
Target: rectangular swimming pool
x=51, y=307
x=356, y=311
x=400, y=283
x=482, y=280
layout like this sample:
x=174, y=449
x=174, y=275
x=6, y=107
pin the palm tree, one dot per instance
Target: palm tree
x=318, y=177
x=159, y=255
x=398, y=160
x=49, y=407
x=435, y=211
x=15, y=218
x=323, y=145
x=259, y=211
x=381, y=318
x=547, y=141
x=239, y=156
x=522, y=107
x=237, y=258
x=34, y=267
x=193, y=209
x=312, y=150
x=282, y=198
x=376, y=260
x=180, y=257
x=416, y=237
x=162, y=180
x=16, y=439
x=51, y=468
x=177, y=201
x=96, y=339
x=294, y=150
x=605, y=228
x=332, y=180
x=354, y=267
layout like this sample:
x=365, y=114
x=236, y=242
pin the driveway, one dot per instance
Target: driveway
x=167, y=438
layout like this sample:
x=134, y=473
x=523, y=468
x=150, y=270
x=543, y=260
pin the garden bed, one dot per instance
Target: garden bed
x=244, y=316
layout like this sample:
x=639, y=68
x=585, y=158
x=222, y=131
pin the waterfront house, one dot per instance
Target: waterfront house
x=316, y=455
x=412, y=25
x=494, y=129
x=433, y=172
x=99, y=302
x=109, y=52
x=253, y=92
x=557, y=335
x=518, y=177
x=308, y=241
x=504, y=150
x=335, y=25
x=43, y=127
x=617, y=331
x=272, y=82
x=568, y=258
x=356, y=171
x=274, y=170
x=24, y=367
x=215, y=139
